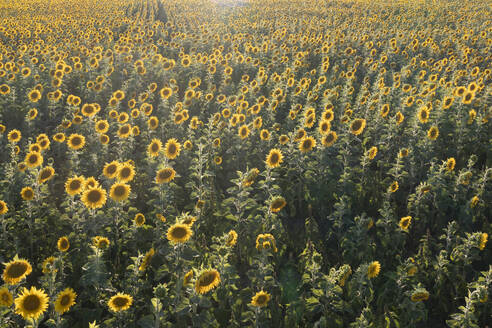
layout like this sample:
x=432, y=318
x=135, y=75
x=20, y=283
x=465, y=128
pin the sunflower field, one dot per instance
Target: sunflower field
x=245, y=163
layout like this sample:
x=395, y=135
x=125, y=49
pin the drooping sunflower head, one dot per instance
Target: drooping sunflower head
x=419, y=295
x=94, y=198
x=188, y=277
x=277, y=204
x=16, y=270
x=63, y=244
x=119, y=191
x=146, y=259
x=274, y=158
x=49, y=265
x=165, y=175
x=120, y=302
x=179, y=233
x=450, y=164
x=65, y=300
x=260, y=299
x=206, y=281
x=231, y=238
x=373, y=269
x=31, y=303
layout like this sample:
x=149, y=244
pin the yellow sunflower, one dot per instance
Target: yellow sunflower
x=405, y=223
x=27, y=193
x=124, y=131
x=483, y=240
x=59, y=137
x=48, y=265
x=307, y=144
x=119, y=191
x=65, y=300
x=31, y=303
x=74, y=185
x=329, y=139
x=3, y=207
x=63, y=244
x=243, y=131
x=433, y=133
x=277, y=204
x=76, y=141
x=120, y=302
x=274, y=158
x=46, y=174
x=357, y=126
x=139, y=219
x=450, y=164
x=14, y=136
x=373, y=269
x=102, y=126
x=179, y=233
x=165, y=175
x=100, y=242
x=394, y=186
x=420, y=295
x=154, y=148
x=126, y=172
x=187, y=278
x=6, y=298
x=146, y=260
x=33, y=159
x=94, y=198
x=231, y=238
x=207, y=280
x=34, y=96
x=110, y=170
x=172, y=148
x=260, y=299
x=372, y=152
x=423, y=114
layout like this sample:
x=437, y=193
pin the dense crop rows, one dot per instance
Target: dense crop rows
x=220, y=163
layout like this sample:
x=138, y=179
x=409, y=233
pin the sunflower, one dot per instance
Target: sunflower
x=373, y=269
x=100, y=242
x=165, y=175
x=74, y=185
x=4, y=89
x=120, y=302
x=154, y=148
x=102, y=126
x=329, y=139
x=76, y=141
x=48, y=265
x=187, y=278
x=34, y=95
x=27, y=193
x=450, y=164
x=16, y=270
x=45, y=174
x=124, y=131
x=283, y=139
x=65, y=300
x=447, y=102
x=172, y=148
x=139, y=219
x=433, y=133
x=33, y=159
x=385, y=110
x=31, y=303
x=483, y=240
x=6, y=298
x=277, y=204
x=126, y=172
x=59, y=137
x=372, y=152
x=243, y=131
x=468, y=96
x=63, y=244
x=94, y=198
x=260, y=299
x=14, y=136
x=265, y=242
x=146, y=260
x=3, y=207
x=153, y=123
x=405, y=222
x=420, y=295
x=119, y=191
x=357, y=126
x=218, y=160
x=274, y=158
x=179, y=233
x=423, y=114
x=110, y=170
x=31, y=115
x=231, y=238
x=324, y=127
x=166, y=93
x=394, y=186
x=206, y=281
x=307, y=144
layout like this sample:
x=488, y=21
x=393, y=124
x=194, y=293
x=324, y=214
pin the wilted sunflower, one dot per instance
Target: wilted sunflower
x=154, y=148
x=274, y=158
x=231, y=238
x=31, y=303
x=6, y=298
x=94, y=198
x=260, y=299
x=63, y=244
x=16, y=270
x=146, y=260
x=307, y=144
x=357, y=126
x=329, y=139
x=76, y=141
x=74, y=185
x=179, y=233
x=119, y=191
x=27, y=193
x=433, y=133
x=165, y=175
x=206, y=281
x=373, y=269
x=405, y=223
x=139, y=219
x=65, y=300
x=120, y=302
x=126, y=172
x=172, y=148
x=277, y=204
x=45, y=174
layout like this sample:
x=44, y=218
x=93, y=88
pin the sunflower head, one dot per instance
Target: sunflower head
x=274, y=158
x=260, y=299
x=231, y=238
x=110, y=170
x=119, y=191
x=165, y=175
x=94, y=198
x=419, y=295
x=373, y=269
x=65, y=300
x=307, y=144
x=120, y=302
x=16, y=270
x=63, y=244
x=357, y=126
x=31, y=303
x=206, y=281
x=76, y=141
x=126, y=172
x=179, y=233
x=139, y=219
x=27, y=193
x=154, y=148
x=277, y=204
x=3, y=207
x=74, y=185
x=405, y=223
x=6, y=298
x=46, y=174
x=100, y=242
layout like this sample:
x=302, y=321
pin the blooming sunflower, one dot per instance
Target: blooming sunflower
x=260, y=299
x=243, y=131
x=119, y=191
x=450, y=163
x=483, y=240
x=146, y=260
x=31, y=303
x=76, y=141
x=394, y=186
x=124, y=131
x=405, y=223
x=307, y=144
x=48, y=265
x=329, y=139
x=277, y=204
x=357, y=126
x=372, y=152
x=14, y=136
x=120, y=302
x=74, y=185
x=94, y=198
x=139, y=219
x=65, y=300
x=34, y=96
x=110, y=170
x=3, y=207
x=100, y=242
x=179, y=233
x=102, y=126
x=187, y=278
x=46, y=174
x=231, y=238
x=27, y=193
x=165, y=175
x=373, y=269
x=433, y=133
x=274, y=158
x=154, y=148
x=126, y=172
x=206, y=281
x=6, y=298
x=16, y=270
x=63, y=244
x=59, y=137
